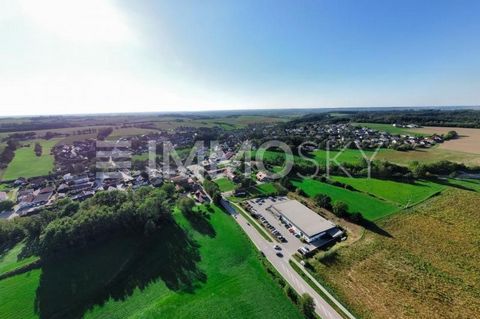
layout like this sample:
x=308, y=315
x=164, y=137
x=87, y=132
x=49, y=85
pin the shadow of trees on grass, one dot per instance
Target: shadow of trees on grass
x=199, y=220
x=73, y=283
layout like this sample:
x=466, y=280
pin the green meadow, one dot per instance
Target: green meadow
x=225, y=184
x=26, y=164
x=370, y=207
x=389, y=128
x=201, y=267
x=351, y=156
x=404, y=194
x=12, y=259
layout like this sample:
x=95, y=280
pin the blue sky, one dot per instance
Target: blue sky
x=65, y=56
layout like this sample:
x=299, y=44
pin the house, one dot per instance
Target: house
x=262, y=177
x=3, y=196
x=200, y=197
x=42, y=198
x=180, y=180
x=46, y=190
x=230, y=174
x=63, y=188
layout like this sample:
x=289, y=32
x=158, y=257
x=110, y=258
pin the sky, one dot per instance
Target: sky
x=109, y=56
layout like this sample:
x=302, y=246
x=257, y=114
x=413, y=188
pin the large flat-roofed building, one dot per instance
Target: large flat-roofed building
x=309, y=224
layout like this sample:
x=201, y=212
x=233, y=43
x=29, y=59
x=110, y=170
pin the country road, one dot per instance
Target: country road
x=281, y=264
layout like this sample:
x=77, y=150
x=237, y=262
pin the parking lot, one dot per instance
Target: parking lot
x=291, y=243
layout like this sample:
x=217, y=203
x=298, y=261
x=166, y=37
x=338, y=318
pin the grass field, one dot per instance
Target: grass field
x=351, y=156
x=391, y=129
x=11, y=260
x=265, y=189
x=404, y=194
x=26, y=164
x=225, y=184
x=209, y=271
x=227, y=123
x=427, y=266
x=370, y=207
x=129, y=131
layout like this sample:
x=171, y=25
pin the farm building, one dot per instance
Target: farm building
x=309, y=224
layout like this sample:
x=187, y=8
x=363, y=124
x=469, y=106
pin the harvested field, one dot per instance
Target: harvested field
x=469, y=141
x=422, y=263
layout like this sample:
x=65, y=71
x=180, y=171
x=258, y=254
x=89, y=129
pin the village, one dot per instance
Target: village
x=79, y=172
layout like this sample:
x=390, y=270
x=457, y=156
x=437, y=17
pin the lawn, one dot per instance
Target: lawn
x=225, y=184
x=26, y=164
x=11, y=260
x=370, y=207
x=206, y=268
x=424, y=264
x=404, y=194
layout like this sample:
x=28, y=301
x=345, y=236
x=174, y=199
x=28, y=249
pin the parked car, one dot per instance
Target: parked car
x=277, y=247
x=279, y=254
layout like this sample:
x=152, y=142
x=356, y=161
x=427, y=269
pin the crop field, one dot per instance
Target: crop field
x=424, y=263
x=227, y=123
x=404, y=194
x=225, y=184
x=26, y=164
x=195, y=273
x=130, y=131
x=429, y=155
x=468, y=142
x=370, y=207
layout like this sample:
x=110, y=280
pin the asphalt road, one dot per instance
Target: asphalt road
x=322, y=308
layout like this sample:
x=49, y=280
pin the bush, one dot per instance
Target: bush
x=186, y=204
x=307, y=306
x=340, y=209
x=6, y=205
x=323, y=201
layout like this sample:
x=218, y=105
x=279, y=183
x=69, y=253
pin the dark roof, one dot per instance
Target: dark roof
x=46, y=190
x=43, y=197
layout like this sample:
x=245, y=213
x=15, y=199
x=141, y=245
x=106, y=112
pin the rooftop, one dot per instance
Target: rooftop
x=305, y=219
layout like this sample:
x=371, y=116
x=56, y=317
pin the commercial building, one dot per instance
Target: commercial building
x=305, y=221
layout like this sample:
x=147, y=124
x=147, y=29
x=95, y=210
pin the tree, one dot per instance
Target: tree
x=340, y=209
x=186, y=204
x=450, y=135
x=323, y=201
x=6, y=205
x=38, y=149
x=290, y=293
x=307, y=306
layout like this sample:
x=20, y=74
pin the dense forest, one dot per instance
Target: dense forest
x=70, y=225
x=456, y=118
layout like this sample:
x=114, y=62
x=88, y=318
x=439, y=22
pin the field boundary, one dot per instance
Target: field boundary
x=320, y=289
x=25, y=268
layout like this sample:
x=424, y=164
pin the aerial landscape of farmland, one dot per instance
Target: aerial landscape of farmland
x=239, y=159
